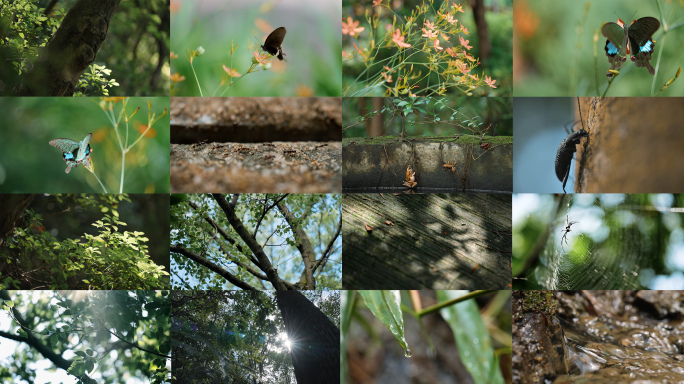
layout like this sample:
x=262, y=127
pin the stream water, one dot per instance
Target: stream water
x=630, y=338
x=599, y=337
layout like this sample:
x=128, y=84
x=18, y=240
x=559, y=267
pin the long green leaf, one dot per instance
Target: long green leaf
x=386, y=306
x=473, y=341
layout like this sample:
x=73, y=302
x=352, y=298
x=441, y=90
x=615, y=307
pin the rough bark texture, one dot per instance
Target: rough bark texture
x=632, y=145
x=71, y=50
x=315, y=339
x=11, y=209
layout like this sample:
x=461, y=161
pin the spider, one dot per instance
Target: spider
x=568, y=224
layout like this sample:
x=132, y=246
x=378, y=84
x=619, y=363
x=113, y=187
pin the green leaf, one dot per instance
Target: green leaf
x=89, y=365
x=386, y=306
x=54, y=339
x=80, y=353
x=9, y=303
x=473, y=342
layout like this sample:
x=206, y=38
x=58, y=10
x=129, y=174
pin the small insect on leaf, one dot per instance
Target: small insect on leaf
x=388, y=222
x=369, y=229
x=476, y=265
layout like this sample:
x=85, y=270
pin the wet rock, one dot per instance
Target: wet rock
x=661, y=304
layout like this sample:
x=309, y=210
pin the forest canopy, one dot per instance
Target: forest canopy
x=256, y=241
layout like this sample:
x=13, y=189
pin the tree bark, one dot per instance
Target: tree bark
x=252, y=244
x=304, y=246
x=12, y=207
x=482, y=30
x=375, y=125
x=315, y=339
x=71, y=49
x=632, y=147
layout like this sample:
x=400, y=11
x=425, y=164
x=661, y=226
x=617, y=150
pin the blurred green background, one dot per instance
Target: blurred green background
x=481, y=111
x=618, y=241
x=554, y=48
x=312, y=47
x=498, y=65
x=28, y=164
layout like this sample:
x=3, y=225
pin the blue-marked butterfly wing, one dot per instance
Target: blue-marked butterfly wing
x=641, y=41
x=635, y=39
x=74, y=153
x=615, y=45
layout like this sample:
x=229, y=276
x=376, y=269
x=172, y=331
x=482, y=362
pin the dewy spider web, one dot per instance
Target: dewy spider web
x=613, y=242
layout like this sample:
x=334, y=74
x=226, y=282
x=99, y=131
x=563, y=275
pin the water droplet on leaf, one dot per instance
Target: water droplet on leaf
x=407, y=353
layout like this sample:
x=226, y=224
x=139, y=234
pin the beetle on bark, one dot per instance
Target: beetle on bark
x=566, y=150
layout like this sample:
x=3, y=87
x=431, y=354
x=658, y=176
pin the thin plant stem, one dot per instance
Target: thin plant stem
x=196, y=79
x=101, y=185
x=447, y=303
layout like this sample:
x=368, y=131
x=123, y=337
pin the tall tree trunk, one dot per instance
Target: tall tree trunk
x=315, y=339
x=482, y=31
x=71, y=49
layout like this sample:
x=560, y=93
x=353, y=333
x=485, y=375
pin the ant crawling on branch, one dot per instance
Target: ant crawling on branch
x=568, y=224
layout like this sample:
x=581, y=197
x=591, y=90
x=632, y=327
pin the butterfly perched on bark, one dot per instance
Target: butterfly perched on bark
x=635, y=39
x=75, y=152
x=274, y=43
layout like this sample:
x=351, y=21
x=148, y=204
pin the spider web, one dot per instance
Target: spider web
x=609, y=247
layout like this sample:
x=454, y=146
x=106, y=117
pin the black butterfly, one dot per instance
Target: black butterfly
x=274, y=43
x=635, y=39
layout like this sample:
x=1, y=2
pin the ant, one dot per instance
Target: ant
x=568, y=224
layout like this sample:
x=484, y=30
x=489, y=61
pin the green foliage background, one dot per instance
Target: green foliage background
x=103, y=241
x=557, y=59
x=432, y=116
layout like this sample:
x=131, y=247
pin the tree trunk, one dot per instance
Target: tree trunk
x=315, y=339
x=71, y=49
x=12, y=207
x=374, y=125
x=632, y=146
x=482, y=31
